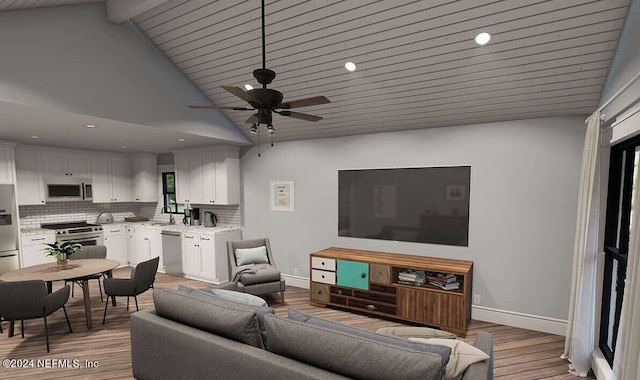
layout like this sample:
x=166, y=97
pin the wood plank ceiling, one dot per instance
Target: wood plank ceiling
x=417, y=63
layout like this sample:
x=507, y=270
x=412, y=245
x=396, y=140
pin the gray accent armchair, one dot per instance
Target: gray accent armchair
x=88, y=252
x=259, y=278
x=142, y=278
x=20, y=300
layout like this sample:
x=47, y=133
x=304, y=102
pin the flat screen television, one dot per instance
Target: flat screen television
x=424, y=205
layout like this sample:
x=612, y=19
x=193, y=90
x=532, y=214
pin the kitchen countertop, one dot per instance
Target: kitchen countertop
x=151, y=224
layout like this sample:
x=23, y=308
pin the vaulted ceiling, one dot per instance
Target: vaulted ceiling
x=417, y=63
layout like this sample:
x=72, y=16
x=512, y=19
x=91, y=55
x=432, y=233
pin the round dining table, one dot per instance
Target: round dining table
x=76, y=270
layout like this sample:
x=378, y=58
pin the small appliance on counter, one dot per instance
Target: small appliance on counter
x=195, y=217
x=210, y=219
x=105, y=218
x=187, y=216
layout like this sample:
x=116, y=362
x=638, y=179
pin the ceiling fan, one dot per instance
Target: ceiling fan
x=266, y=101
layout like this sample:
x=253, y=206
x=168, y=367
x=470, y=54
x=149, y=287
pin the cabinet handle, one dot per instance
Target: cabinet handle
x=204, y=239
x=38, y=239
x=339, y=291
x=364, y=275
x=322, y=276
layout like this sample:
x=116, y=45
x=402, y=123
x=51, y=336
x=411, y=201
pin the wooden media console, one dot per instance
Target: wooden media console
x=380, y=283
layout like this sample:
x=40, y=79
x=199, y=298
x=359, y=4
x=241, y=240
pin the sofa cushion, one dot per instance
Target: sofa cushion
x=398, y=341
x=347, y=354
x=211, y=314
x=462, y=355
x=257, y=255
x=416, y=332
x=259, y=305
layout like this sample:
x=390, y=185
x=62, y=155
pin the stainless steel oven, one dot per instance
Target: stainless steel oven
x=79, y=232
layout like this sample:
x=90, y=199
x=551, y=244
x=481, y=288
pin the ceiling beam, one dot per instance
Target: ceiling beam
x=119, y=11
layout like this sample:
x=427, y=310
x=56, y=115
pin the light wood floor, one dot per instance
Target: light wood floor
x=519, y=353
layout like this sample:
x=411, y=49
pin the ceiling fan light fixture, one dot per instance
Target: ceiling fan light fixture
x=254, y=128
x=483, y=38
x=248, y=87
x=350, y=66
x=271, y=130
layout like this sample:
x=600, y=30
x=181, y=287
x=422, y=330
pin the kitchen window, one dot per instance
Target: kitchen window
x=169, y=193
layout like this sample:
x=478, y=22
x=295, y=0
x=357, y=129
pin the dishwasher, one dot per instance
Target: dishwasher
x=172, y=252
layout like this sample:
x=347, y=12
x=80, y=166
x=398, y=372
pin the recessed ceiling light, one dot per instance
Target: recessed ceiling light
x=248, y=87
x=181, y=140
x=122, y=146
x=483, y=38
x=350, y=66
x=34, y=137
x=89, y=125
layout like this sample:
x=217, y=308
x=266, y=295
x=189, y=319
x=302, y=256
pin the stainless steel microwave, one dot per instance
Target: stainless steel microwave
x=65, y=189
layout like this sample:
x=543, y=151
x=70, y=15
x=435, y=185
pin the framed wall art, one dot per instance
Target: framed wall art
x=282, y=195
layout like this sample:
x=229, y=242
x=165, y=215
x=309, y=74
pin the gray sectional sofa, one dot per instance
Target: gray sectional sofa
x=192, y=335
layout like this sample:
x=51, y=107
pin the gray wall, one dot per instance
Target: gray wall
x=72, y=59
x=524, y=185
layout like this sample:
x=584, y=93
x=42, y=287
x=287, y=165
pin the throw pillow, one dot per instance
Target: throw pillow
x=416, y=332
x=257, y=255
x=347, y=354
x=462, y=355
x=398, y=341
x=230, y=295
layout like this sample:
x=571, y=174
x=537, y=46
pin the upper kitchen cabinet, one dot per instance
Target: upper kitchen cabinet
x=111, y=181
x=7, y=167
x=61, y=164
x=29, y=177
x=208, y=176
x=227, y=161
x=195, y=178
x=144, y=176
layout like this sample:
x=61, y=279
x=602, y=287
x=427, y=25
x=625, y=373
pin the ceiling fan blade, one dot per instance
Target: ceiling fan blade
x=299, y=115
x=252, y=119
x=223, y=108
x=304, y=102
x=237, y=91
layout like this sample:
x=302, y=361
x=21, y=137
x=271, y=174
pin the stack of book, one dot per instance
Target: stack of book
x=446, y=281
x=412, y=277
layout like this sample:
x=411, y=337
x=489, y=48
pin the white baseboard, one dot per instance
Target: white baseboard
x=521, y=320
x=297, y=281
x=480, y=313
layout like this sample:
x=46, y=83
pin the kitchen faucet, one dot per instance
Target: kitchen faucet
x=166, y=209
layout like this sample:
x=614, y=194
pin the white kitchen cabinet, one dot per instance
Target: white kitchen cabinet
x=61, y=164
x=115, y=239
x=204, y=256
x=111, y=182
x=31, y=249
x=131, y=245
x=148, y=244
x=194, y=178
x=227, y=171
x=208, y=177
x=29, y=177
x=144, y=177
x=7, y=167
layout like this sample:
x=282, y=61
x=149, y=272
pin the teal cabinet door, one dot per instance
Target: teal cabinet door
x=352, y=274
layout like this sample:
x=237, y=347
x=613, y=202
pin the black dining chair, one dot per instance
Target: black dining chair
x=20, y=300
x=141, y=280
x=88, y=252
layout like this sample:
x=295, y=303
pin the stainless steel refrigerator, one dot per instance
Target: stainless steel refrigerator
x=8, y=230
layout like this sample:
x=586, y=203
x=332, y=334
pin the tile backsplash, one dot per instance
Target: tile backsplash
x=33, y=216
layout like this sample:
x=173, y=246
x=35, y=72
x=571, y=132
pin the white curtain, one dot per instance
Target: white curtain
x=579, y=342
x=627, y=357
